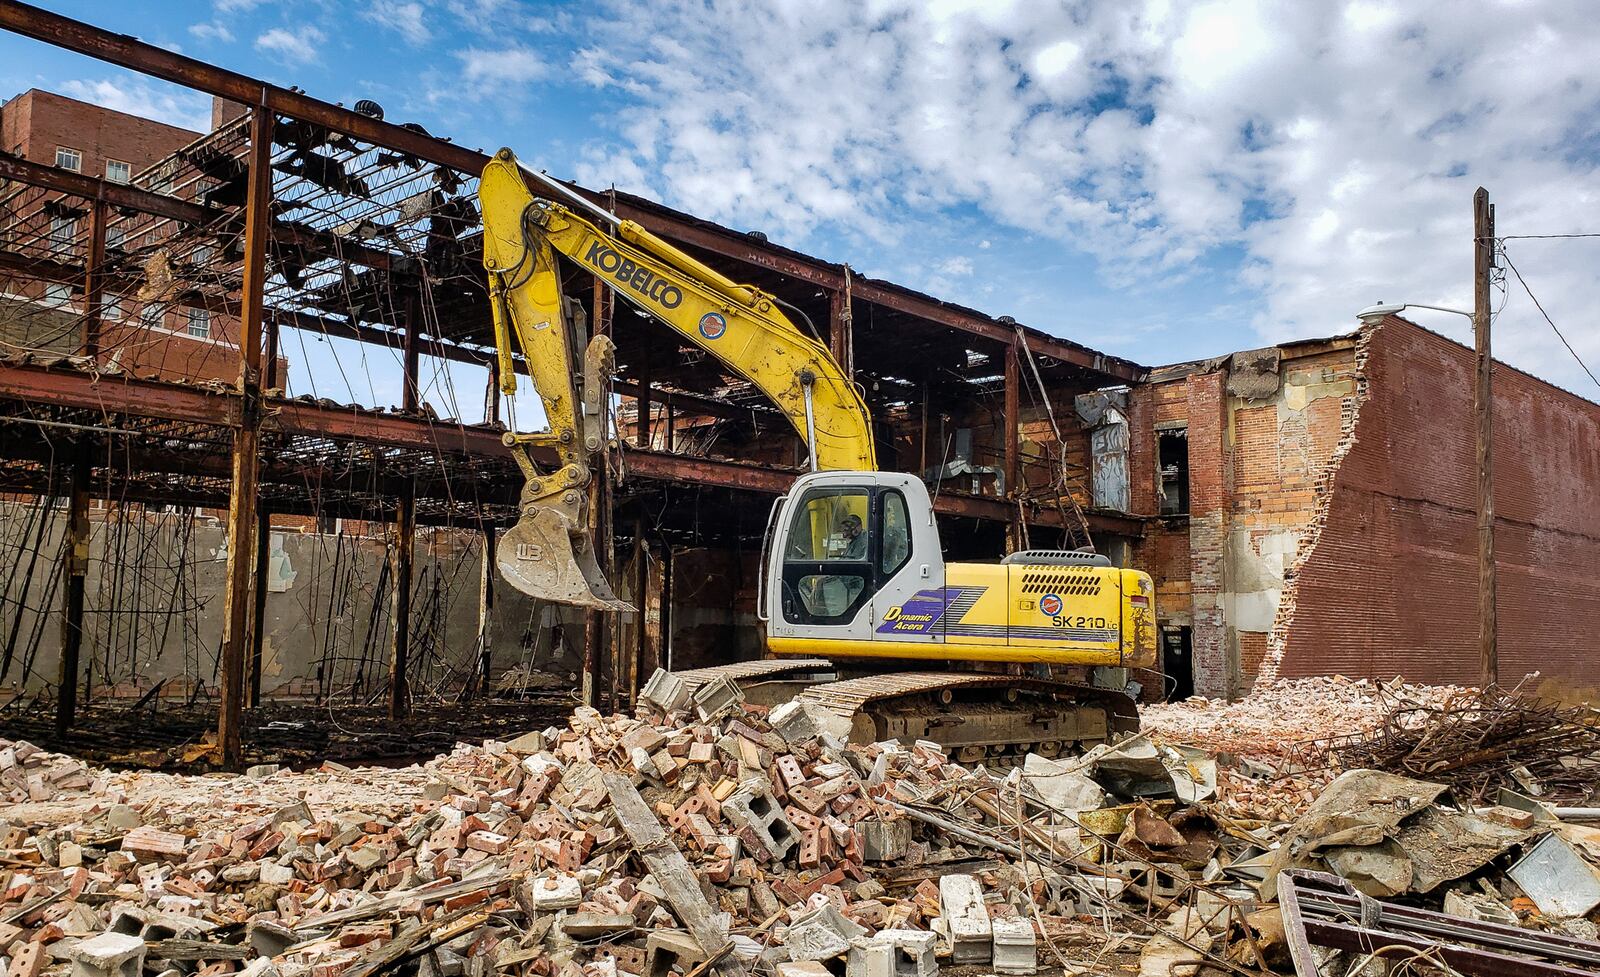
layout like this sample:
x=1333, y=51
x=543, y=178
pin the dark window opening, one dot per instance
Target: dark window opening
x=1177, y=662
x=1173, y=459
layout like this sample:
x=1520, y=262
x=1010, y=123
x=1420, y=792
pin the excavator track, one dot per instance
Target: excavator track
x=995, y=719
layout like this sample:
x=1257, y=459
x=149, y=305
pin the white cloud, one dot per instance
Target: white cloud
x=1324, y=154
x=295, y=47
x=147, y=99
x=236, y=6
x=957, y=265
x=404, y=16
x=212, y=32
x=513, y=65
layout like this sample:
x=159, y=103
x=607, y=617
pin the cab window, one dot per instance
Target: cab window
x=827, y=575
x=895, y=534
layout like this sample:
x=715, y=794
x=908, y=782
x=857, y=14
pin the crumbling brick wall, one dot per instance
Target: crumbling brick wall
x=1210, y=492
x=1390, y=585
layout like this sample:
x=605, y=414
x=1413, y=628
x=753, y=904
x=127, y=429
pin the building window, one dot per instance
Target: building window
x=116, y=234
x=151, y=316
x=62, y=231
x=111, y=308
x=56, y=294
x=117, y=171
x=69, y=159
x=200, y=323
x=1173, y=448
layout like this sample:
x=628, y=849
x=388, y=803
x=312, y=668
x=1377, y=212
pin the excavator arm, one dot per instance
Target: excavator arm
x=550, y=553
x=740, y=325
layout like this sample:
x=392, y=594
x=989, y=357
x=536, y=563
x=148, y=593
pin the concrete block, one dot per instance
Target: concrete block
x=109, y=955
x=665, y=948
x=966, y=919
x=801, y=968
x=798, y=721
x=716, y=697
x=1016, y=949
x=666, y=691
x=884, y=841
x=752, y=806
x=814, y=940
x=555, y=892
x=869, y=958
x=913, y=952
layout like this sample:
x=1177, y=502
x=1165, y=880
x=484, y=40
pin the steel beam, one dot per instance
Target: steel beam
x=129, y=52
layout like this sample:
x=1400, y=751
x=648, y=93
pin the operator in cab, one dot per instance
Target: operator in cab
x=856, y=548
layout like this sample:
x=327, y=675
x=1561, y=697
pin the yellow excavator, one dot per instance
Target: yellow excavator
x=1033, y=652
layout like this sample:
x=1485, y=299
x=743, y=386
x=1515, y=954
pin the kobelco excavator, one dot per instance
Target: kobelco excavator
x=865, y=618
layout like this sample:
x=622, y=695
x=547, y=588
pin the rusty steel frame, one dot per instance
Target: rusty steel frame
x=238, y=595
x=247, y=413
x=1322, y=910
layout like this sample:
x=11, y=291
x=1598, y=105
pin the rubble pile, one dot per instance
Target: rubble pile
x=1276, y=720
x=28, y=773
x=711, y=836
x=1482, y=742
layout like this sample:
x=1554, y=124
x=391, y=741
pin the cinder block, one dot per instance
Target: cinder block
x=753, y=807
x=666, y=691
x=664, y=948
x=966, y=919
x=1016, y=949
x=870, y=958
x=913, y=952
x=109, y=955
x=884, y=841
x=716, y=697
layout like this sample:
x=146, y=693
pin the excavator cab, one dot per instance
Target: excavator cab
x=842, y=549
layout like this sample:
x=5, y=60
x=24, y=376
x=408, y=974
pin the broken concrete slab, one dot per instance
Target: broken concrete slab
x=966, y=919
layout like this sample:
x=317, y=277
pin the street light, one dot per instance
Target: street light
x=1373, y=313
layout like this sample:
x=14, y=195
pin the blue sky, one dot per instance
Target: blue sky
x=1159, y=179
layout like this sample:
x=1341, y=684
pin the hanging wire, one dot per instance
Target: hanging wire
x=1537, y=304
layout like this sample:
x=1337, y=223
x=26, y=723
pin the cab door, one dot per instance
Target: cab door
x=825, y=575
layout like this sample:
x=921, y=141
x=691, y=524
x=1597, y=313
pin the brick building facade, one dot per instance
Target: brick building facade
x=1323, y=517
x=145, y=338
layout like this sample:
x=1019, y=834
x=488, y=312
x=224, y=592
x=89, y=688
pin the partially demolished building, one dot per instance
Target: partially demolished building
x=221, y=530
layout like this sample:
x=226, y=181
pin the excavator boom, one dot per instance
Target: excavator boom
x=550, y=553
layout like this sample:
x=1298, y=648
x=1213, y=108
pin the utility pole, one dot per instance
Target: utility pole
x=1482, y=268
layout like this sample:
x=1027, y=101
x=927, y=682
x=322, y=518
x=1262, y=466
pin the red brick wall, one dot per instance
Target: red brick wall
x=36, y=122
x=1210, y=501
x=1391, y=586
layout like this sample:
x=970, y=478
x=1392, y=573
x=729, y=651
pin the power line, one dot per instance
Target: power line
x=1542, y=237
x=1547, y=318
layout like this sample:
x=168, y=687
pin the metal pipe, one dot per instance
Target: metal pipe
x=561, y=190
x=811, y=423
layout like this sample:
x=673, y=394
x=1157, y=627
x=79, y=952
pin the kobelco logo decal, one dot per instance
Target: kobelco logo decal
x=713, y=325
x=1050, y=605
x=634, y=276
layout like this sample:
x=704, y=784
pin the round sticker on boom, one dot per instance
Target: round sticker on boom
x=1050, y=605
x=713, y=325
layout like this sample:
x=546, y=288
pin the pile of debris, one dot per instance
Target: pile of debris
x=28, y=773
x=712, y=836
x=1483, y=742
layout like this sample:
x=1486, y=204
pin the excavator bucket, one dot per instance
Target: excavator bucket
x=538, y=557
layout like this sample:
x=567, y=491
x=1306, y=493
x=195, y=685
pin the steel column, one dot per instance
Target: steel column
x=258, y=630
x=94, y=279
x=242, y=517
x=841, y=333
x=75, y=571
x=405, y=534
x=1012, y=467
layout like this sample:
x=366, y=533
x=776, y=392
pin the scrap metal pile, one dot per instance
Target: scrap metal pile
x=1482, y=742
x=711, y=836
